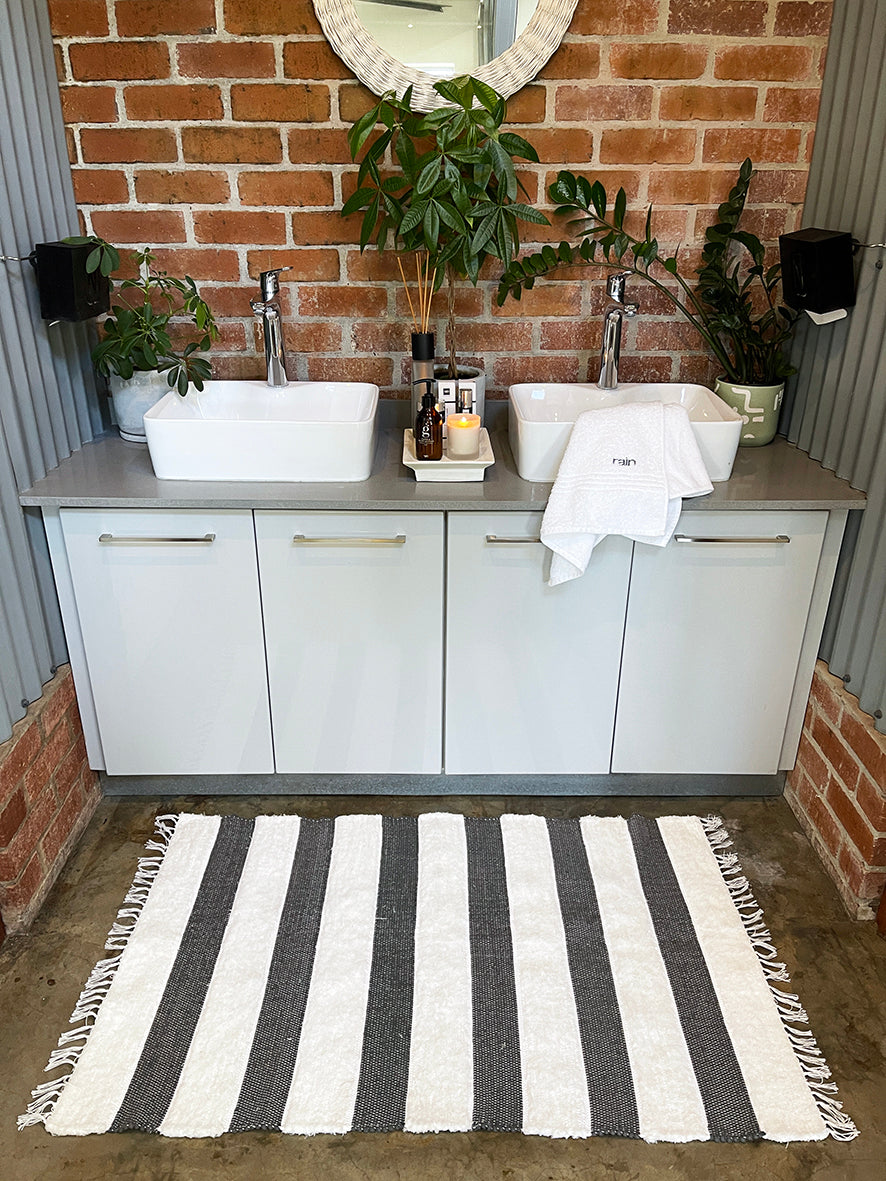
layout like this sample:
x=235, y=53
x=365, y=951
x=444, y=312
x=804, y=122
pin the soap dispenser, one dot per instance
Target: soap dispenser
x=428, y=425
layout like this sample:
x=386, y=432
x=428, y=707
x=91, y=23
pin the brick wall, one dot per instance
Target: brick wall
x=47, y=796
x=838, y=792
x=215, y=130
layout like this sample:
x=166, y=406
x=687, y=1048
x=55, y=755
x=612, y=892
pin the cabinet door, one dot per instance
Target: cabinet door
x=713, y=637
x=353, y=607
x=531, y=670
x=169, y=609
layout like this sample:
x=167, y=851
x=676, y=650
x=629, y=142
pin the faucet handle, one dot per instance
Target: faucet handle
x=270, y=285
x=615, y=285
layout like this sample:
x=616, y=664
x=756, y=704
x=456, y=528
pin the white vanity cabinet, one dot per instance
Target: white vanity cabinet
x=353, y=611
x=167, y=604
x=531, y=670
x=715, y=626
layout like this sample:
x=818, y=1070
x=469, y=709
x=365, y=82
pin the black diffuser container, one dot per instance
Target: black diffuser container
x=423, y=348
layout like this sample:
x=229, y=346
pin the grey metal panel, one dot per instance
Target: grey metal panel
x=48, y=402
x=837, y=401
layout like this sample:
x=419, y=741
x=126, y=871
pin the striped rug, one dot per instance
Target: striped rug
x=552, y=976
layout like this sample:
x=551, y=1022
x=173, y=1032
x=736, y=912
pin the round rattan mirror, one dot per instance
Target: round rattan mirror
x=378, y=68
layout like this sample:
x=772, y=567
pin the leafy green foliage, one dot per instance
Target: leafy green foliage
x=454, y=192
x=135, y=336
x=734, y=307
x=104, y=258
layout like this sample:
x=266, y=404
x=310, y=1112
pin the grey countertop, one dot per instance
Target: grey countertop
x=109, y=473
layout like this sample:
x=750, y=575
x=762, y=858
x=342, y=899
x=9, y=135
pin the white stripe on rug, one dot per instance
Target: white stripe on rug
x=324, y=1083
x=669, y=1104
x=784, y=1105
x=441, y=1081
x=223, y=1038
x=93, y=1095
x=555, y=1094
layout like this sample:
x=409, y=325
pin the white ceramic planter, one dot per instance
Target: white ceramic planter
x=758, y=406
x=132, y=397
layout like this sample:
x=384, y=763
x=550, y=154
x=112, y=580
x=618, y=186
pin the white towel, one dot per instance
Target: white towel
x=626, y=470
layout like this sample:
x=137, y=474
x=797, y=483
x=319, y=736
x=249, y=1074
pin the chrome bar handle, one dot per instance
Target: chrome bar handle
x=112, y=539
x=683, y=539
x=301, y=539
x=492, y=539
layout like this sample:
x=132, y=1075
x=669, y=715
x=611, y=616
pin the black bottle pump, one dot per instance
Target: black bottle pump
x=428, y=424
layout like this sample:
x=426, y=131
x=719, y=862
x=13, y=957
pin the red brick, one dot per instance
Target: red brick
x=664, y=336
x=727, y=18
x=567, y=146
x=583, y=103
x=354, y=100
x=786, y=105
x=796, y=19
x=600, y=18
x=658, y=60
x=825, y=824
x=260, y=18
x=173, y=102
x=324, y=229
x=89, y=104
x=724, y=103
x=698, y=368
x=68, y=772
x=872, y=801
x=637, y=145
x=854, y=823
x=16, y=856
x=570, y=335
x=674, y=186
x=11, y=817
x=233, y=300
x=38, y=776
x=469, y=304
x=527, y=105
x=231, y=338
x=814, y=764
x=193, y=187
x=233, y=225
x=240, y=367
x=780, y=185
x=120, y=61
x=312, y=59
x=372, y=267
x=100, y=186
x=306, y=266
x=127, y=145
x=313, y=145
x=284, y=102
x=140, y=226
x=57, y=697
x=226, y=59
x=827, y=694
x=78, y=18
x=18, y=894
x=574, y=59
x=765, y=146
x=509, y=370
x=378, y=370
x=207, y=263
x=292, y=189
x=545, y=299
x=231, y=145
x=647, y=367
x=16, y=755
x=147, y=18
x=866, y=744
x=353, y=302
x=313, y=338
x=836, y=753
x=764, y=63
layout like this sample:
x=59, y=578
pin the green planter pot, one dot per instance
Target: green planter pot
x=758, y=406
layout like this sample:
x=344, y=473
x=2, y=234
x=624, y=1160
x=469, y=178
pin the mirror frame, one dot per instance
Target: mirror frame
x=378, y=70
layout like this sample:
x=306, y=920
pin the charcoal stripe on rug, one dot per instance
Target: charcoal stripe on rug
x=556, y=977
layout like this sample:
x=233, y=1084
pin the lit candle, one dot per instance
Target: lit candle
x=463, y=436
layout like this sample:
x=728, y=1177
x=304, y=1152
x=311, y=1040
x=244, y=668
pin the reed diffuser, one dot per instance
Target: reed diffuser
x=423, y=344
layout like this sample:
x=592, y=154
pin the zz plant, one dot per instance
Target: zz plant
x=733, y=307
x=453, y=193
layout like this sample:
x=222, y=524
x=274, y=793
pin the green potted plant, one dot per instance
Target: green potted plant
x=733, y=306
x=451, y=197
x=135, y=352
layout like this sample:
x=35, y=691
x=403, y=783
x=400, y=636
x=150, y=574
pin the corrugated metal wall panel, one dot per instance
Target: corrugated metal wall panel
x=837, y=401
x=48, y=403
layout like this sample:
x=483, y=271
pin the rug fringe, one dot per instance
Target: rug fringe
x=812, y=1061
x=72, y=1042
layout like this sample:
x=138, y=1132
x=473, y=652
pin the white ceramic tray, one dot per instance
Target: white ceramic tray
x=448, y=470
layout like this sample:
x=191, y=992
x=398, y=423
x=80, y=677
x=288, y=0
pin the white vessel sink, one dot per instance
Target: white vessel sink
x=541, y=416
x=244, y=430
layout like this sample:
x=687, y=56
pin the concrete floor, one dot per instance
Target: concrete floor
x=838, y=967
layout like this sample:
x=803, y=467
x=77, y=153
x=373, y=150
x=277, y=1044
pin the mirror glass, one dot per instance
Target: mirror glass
x=448, y=38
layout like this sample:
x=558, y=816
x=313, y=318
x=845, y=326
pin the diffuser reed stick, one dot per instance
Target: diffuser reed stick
x=425, y=277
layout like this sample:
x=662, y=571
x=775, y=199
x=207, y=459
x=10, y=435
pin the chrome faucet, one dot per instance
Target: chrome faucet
x=610, y=352
x=267, y=309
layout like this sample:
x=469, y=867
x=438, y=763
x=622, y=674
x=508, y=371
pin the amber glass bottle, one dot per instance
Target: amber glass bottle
x=428, y=429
